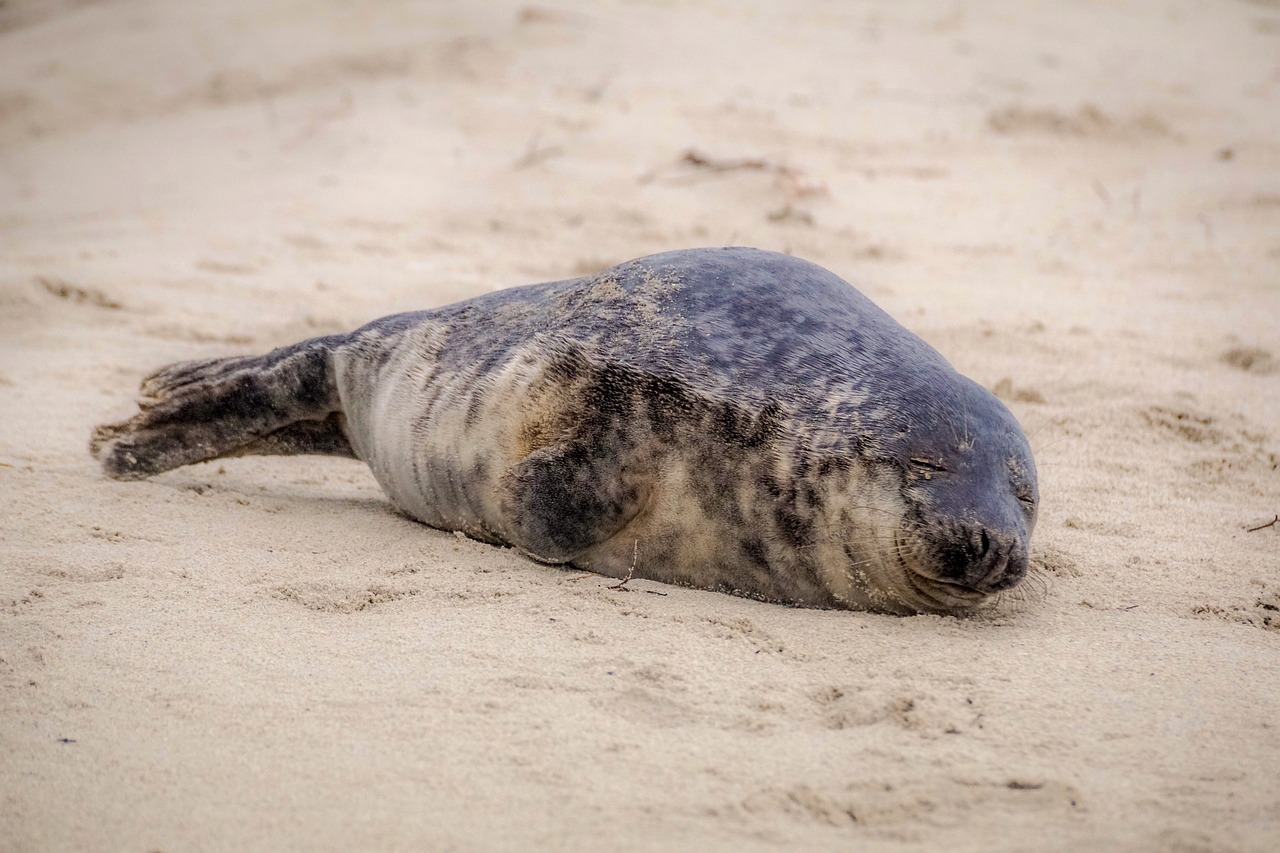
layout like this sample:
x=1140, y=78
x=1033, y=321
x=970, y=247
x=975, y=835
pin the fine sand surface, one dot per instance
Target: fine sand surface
x=1077, y=203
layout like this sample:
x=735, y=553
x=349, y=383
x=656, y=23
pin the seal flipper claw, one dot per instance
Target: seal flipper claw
x=169, y=381
x=285, y=402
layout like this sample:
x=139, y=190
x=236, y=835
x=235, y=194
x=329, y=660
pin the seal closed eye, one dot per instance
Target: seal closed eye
x=728, y=419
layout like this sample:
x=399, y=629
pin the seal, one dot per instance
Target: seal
x=730, y=419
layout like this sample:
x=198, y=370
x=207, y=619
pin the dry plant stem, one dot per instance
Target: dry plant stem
x=635, y=553
x=695, y=158
x=534, y=153
x=1272, y=523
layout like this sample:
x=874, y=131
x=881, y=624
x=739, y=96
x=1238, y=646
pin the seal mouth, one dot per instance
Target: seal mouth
x=944, y=596
x=939, y=595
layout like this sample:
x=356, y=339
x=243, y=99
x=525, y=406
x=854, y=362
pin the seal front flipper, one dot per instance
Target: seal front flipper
x=285, y=402
x=567, y=498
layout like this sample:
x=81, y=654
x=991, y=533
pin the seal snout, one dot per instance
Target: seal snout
x=983, y=559
x=958, y=566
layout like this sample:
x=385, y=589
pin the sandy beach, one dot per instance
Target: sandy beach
x=1077, y=203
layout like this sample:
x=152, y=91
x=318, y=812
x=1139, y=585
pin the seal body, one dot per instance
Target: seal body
x=729, y=419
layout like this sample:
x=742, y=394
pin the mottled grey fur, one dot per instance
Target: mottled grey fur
x=729, y=419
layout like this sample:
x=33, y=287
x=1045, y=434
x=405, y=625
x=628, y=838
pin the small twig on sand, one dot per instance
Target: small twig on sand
x=793, y=179
x=1272, y=523
x=696, y=158
x=793, y=182
x=533, y=154
x=622, y=584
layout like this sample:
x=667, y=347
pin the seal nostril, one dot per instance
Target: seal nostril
x=984, y=542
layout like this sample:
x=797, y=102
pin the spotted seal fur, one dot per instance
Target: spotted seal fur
x=729, y=419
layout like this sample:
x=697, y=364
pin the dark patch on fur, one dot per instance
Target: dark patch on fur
x=474, y=410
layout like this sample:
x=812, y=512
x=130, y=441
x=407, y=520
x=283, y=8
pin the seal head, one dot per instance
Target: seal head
x=970, y=503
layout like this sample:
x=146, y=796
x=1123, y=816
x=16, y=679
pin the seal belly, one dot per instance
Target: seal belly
x=403, y=407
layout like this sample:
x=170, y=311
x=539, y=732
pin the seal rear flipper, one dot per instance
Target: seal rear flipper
x=326, y=437
x=284, y=402
x=564, y=499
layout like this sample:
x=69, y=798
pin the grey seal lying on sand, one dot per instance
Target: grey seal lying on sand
x=729, y=419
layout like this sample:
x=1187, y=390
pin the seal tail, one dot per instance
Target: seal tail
x=283, y=403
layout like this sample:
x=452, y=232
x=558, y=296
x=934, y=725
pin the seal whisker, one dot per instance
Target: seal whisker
x=1043, y=447
x=1033, y=589
x=1055, y=420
